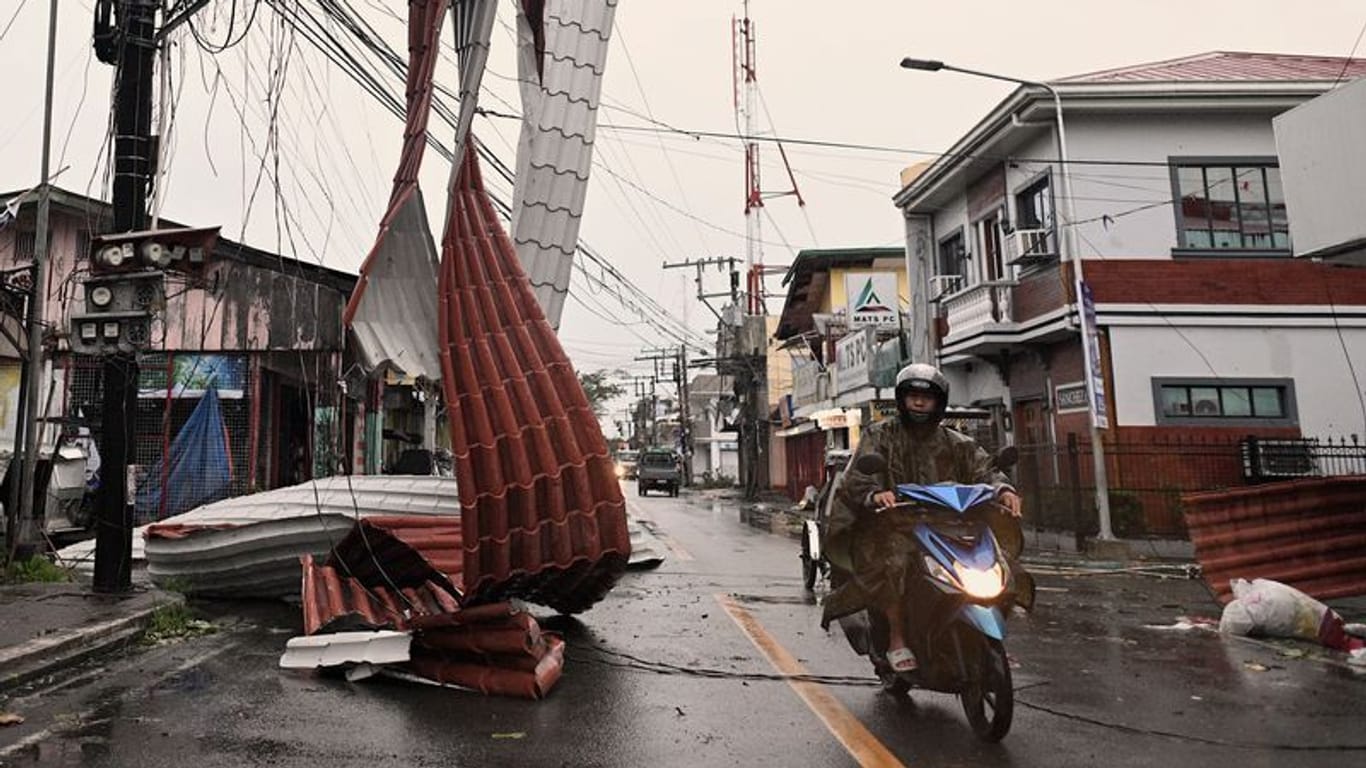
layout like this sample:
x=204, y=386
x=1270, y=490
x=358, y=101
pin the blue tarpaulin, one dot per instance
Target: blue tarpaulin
x=197, y=470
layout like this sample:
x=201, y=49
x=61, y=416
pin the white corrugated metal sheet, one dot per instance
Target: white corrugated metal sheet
x=250, y=546
x=559, y=119
x=395, y=321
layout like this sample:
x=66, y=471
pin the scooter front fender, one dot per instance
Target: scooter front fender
x=985, y=619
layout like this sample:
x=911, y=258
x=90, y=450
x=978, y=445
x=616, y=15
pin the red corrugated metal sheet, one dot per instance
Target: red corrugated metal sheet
x=1310, y=534
x=492, y=648
x=1225, y=66
x=411, y=550
x=334, y=601
x=543, y=514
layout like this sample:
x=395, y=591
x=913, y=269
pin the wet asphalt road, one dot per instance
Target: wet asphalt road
x=663, y=674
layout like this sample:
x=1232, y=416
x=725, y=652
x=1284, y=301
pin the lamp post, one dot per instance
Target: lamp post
x=1074, y=255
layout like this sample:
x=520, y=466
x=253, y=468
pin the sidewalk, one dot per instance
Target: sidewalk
x=47, y=626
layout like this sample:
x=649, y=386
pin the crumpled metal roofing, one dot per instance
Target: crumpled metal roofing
x=493, y=648
x=249, y=546
x=391, y=309
x=543, y=514
x=561, y=74
x=403, y=551
x=1228, y=66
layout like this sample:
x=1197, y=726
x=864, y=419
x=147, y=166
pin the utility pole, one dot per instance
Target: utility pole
x=132, y=50
x=22, y=526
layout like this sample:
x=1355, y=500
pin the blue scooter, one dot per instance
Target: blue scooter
x=958, y=593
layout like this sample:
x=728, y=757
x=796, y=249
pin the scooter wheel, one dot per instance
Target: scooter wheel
x=989, y=698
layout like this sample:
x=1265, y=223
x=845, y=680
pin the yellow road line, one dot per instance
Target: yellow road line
x=858, y=740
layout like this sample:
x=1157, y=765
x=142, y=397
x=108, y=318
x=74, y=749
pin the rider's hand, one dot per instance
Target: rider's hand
x=1010, y=500
x=883, y=499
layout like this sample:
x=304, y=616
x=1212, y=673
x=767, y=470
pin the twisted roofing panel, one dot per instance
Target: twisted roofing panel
x=543, y=514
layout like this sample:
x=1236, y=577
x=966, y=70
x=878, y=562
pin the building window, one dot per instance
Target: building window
x=953, y=257
x=1033, y=239
x=1225, y=402
x=1224, y=205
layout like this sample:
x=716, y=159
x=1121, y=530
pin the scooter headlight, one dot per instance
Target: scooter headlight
x=982, y=584
x=939, y=572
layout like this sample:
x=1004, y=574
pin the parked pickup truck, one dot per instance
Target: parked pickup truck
x=658, y=469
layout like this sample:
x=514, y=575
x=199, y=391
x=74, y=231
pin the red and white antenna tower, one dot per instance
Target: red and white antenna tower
x=746, y=96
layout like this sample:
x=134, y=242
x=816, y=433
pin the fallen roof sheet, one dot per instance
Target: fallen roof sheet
x=544, y=516
x=403, y=551
x=249, y=546
x=334, y=600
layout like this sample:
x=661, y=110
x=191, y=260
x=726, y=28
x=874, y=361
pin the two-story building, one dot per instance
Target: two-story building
x=1207, y=325
x=841, y=328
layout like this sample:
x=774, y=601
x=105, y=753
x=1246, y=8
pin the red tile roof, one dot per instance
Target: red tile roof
x=1227, y=66
x=334, y=601
x=544, y=518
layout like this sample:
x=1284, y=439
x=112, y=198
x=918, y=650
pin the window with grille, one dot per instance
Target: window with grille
x=1225, y=402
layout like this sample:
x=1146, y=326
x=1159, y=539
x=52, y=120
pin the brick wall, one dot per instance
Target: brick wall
x=1225, y=281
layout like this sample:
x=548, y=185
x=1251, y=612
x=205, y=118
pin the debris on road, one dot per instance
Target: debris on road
x=11, y=718
x=340, y=648
x=1265, y=608
x=1187, y=624
x=402, y=574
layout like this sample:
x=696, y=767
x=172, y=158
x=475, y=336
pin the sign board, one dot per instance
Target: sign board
x=805, y=374
x=190, y=375
x=1095, y=372
x=853, y=355
x=873, y=299
x=1071, y=397
x=881, y=409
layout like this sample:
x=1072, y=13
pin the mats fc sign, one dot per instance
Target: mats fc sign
x=873, y=299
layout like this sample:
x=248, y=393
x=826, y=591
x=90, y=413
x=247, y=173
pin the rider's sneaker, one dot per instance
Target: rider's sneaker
x=902, y=660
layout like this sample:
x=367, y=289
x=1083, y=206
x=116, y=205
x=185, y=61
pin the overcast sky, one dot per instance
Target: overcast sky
x=827, y=71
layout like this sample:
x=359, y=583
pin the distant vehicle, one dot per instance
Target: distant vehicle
x=659, y=469
x=627, y=461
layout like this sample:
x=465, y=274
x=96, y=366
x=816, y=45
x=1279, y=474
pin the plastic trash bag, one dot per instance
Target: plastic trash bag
x=1265, y=608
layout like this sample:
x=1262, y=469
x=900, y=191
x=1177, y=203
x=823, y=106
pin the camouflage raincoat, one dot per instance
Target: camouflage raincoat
x=873, y=550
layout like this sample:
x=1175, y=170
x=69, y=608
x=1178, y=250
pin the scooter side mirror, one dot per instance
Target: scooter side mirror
x=1007, y=458
x=871, y=464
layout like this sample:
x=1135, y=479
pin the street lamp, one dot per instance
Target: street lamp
x=1074, y=255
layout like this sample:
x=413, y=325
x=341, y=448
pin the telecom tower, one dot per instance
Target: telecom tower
x=746, y=97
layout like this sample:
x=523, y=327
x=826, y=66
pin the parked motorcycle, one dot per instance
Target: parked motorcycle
x=958, y=594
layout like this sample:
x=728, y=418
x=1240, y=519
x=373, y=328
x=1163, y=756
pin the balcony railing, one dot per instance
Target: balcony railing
x=981, y=305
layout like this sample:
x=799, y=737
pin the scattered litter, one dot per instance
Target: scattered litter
x=680, y=711
x=1294, y=653
x=1197, y=698
x=1187, y=624
x=1255, y=667
x=1357, y=658
x=1265, y=608
x=510, y=735
x=11, y=718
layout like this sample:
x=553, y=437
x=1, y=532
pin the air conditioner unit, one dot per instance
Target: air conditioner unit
x=1032, y=246
x=943, y=285
x=1278, y=459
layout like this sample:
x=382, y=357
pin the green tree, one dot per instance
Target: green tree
x=600, y=387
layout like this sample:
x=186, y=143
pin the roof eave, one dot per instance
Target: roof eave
x=1093, y=97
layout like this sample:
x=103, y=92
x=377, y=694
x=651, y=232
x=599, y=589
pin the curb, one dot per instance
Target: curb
x=41, y=656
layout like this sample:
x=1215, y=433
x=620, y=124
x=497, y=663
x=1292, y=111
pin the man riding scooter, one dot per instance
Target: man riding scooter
x=875, y=551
